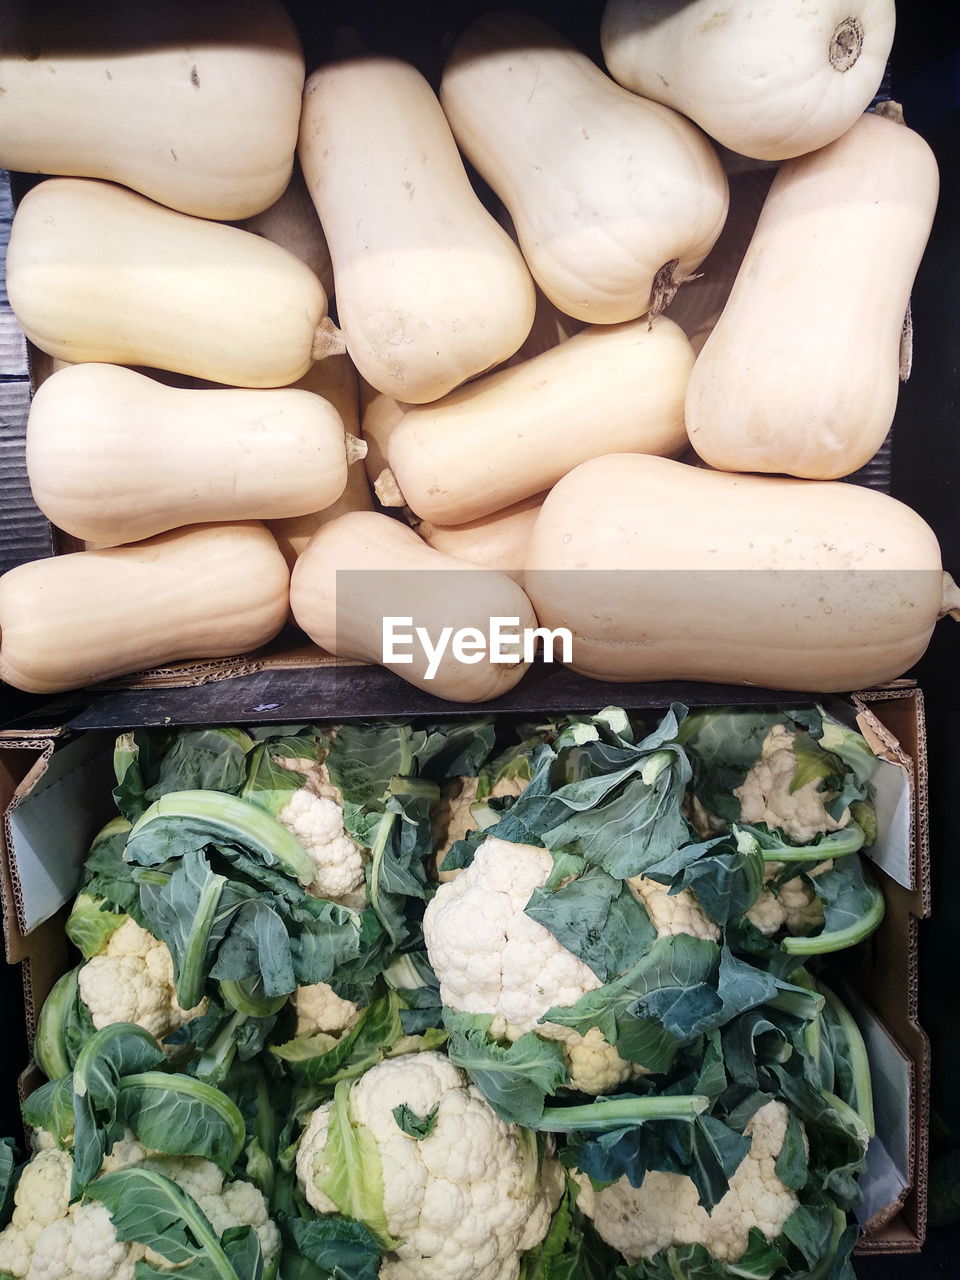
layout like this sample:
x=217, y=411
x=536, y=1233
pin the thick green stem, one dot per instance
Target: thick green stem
x=615, y=1113
x=839, y=939
x=836, y=844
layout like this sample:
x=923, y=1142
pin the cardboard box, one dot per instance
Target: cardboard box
x=55, y=794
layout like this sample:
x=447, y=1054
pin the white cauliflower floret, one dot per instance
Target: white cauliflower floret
x=490, y=957
x=464, y=1201
x=49, y=1238
x=319, y=1008
x=42, y=1198
x=83, y=1246
x=131, y=980
x=453, y=821
x=675, y=913
x=765, y=794
x=795, y=905
x=317, y=822
x=593, y=1064
x=664, y=1211
x=128, y=1151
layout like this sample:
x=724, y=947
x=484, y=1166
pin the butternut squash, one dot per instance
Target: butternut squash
x=430, y=290
x=114, y=457
x=669, y=572
x=202, y=592
x=801, y=372
x=336, y=380
x=366, y=567
x=770, y=81
x=98, y=273
x=381, y=414
x=514, y=433
x=498, y=541
x=194, y=105
x=615, y=199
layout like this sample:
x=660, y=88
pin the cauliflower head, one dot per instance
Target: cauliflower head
x=492, y=958
x=131, y=980
x=765, y=794
x=664, y=1211
x=465, y=1201
x=48, y=1238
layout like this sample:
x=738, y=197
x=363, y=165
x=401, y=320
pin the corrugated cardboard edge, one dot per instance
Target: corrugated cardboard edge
x=894, y=950
x=18, y=777
x=895, y=710
x=44, y=955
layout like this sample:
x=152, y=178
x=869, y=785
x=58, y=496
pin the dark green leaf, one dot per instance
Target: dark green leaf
x=209, y=759
x=336, y=1245
x=791, y=1165
x=678, y=963
x=191, y=913
x=257, y=945
x=179, y=1115
x=726, y=874
x=598, y=919
x=455, y=749
x=51, y=1107
x=241, y=1245
x=514, y=1078
x=414, y=1126
x=116, y=1051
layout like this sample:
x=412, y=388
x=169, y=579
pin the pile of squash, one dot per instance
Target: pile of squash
x=557, y=446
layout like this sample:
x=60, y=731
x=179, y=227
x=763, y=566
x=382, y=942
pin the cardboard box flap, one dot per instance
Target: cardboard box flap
x=890, y=1171
x=57, y=810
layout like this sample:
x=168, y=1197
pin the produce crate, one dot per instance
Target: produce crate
x=55, y=784
x=420, y=33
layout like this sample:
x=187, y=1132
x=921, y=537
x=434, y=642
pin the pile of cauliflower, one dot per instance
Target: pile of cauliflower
x=50, y=1238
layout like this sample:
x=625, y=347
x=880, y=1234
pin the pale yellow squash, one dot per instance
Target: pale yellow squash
x=615, y=199
x=380, y=415
x=498, y=541
x=336, y=380
x=771, y=80
x=195, y=105
x=514, y=433
x=98, y=273
x=430, y=290
x=203, y=592
x=114, y=456
x=366, y=567
x=668, y=572
x=801, y=373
